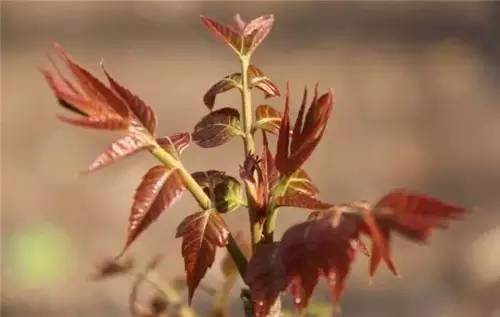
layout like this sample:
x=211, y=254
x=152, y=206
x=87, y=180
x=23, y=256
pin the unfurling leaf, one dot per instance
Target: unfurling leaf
x=176, y=143
x=265, y=275
x=307, y=132
x=224, y=191
x=120, y=148
x=317, y=248
x=411, y=215
x=267, y=119
x=160, y=188
x=228, y=195
x=217, y=128
x=256, y=79
x=262, y=82
x=208, y=180
x=301, y=200
x=242, y=37
x=201, y=233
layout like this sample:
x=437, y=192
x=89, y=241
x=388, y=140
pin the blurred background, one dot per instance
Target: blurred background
x=418, y=107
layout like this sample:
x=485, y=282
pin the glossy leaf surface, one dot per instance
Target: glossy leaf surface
x=308, y=131
x=217, y=128
x=267, y=118
x=256, y=78
x=175, y=143
x=266, y=277
x=242, y=37
x=201, y=233
x=317, y=248
x=302, y=201
x=227, y=83
x=160, y=188
x=412, y=215
x=119, y=149
x=262, y=82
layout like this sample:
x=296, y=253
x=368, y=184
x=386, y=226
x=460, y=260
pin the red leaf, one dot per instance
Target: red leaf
x=226, y=33
x=100, y=123
x=175, y=143
x=242, y=37
x=66, y=95
x=210, y=178
x=412, y=215
x=256, y=78
x=227, y=83
x=266, y=277
x=144, y=113
x=111, y=108
x=314, y=127
x=306, y=136
x=317, y=248
x=300, y=182
x=268, y=118
x=268, y=170
x=297, y=128
x=257, y=30
x=284, y=136
x=301, y=200
x=217, y=128
x=259, y=80
x=201, y=233
x=93, y=88
x=160, y=188
x=120, y=148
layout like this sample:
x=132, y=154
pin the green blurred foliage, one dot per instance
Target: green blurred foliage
x=39, y=255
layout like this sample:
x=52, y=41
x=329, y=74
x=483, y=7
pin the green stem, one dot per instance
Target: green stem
x=169, y=161
x=272, y=211
x=203, y=200
x=246, y=102
x=249, y=144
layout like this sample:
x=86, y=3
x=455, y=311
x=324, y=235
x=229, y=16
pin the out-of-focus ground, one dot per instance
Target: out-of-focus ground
x=418, y=90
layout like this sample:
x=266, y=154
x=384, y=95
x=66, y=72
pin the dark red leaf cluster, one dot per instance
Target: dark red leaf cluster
x=326, y=244
x=293, y=151
x=323, y=246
